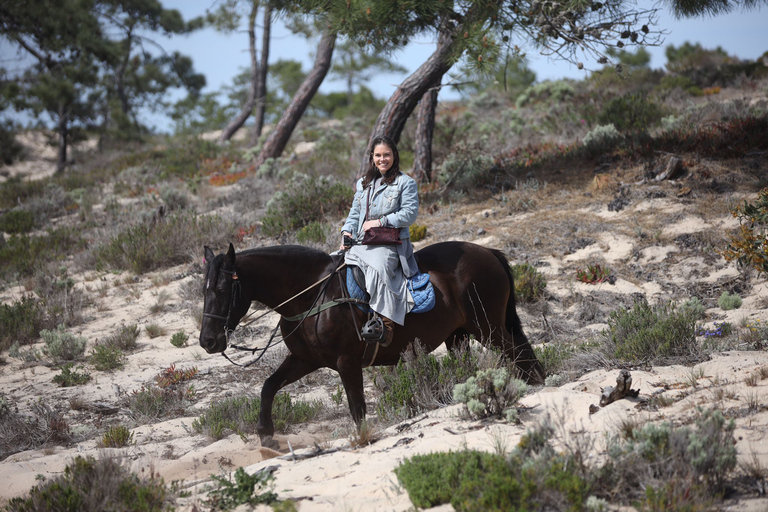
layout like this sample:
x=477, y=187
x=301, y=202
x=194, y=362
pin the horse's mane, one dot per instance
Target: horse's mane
x=288, y=251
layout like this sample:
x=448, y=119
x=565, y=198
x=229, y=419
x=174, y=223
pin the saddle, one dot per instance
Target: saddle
x=419, y=286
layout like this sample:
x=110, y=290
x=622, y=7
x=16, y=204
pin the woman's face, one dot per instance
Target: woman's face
x=382, y=157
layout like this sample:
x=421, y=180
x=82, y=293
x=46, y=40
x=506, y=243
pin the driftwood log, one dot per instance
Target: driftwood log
x=622, y=389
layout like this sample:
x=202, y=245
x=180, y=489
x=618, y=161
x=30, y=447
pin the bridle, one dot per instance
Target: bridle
x=236, y=291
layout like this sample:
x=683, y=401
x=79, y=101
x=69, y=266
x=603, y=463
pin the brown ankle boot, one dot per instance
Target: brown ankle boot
x=389, y=329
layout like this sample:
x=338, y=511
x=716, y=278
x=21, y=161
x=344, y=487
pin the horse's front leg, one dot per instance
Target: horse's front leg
x=351, y=373
x=291, y=370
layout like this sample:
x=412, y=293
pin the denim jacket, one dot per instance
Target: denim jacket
x=397, y=205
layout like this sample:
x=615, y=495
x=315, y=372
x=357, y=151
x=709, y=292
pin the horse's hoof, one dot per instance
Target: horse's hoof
x=268, y=442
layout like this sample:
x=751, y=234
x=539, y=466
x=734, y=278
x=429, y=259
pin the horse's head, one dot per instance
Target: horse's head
x=224, y=304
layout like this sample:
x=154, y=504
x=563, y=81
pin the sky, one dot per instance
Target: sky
x=220, y=57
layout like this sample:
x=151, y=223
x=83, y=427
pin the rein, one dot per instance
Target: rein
x=314, y=310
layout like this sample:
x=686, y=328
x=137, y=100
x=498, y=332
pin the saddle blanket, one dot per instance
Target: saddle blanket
x=419, y=287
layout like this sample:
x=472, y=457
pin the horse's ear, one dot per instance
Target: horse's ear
x=208, y=255
x=231, y=253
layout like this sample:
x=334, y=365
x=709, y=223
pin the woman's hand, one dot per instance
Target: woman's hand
x=343, y=247
x=371, y=224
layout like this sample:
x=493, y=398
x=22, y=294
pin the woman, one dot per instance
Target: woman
x=384, y=197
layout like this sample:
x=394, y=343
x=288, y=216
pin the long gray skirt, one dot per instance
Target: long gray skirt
x=384, y=279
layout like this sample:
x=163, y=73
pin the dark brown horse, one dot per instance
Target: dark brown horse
x=474, y=296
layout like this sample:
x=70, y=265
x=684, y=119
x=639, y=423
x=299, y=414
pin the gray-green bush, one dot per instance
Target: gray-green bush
x=61, y=345
x=645, y=333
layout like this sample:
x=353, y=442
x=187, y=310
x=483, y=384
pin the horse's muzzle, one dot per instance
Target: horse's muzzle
x=212, y=344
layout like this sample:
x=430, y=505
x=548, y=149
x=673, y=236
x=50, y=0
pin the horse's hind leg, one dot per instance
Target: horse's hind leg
x=291, y=370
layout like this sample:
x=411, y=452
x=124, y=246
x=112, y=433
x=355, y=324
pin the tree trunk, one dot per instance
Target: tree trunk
x=261, y=99
x=422, y=162
x=392, y=118
x=278, y=139
x=245, y=112
x=63, y=130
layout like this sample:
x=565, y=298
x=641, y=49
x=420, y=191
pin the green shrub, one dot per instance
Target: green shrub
x=417, y=232
x=693, y=307
x=116, y=437
x=631, y=112
x=306, y=199
x=545, y=92
x=30, y=355
x=146, y=247
x=464, y=170
x=240, y=415
x=491, y=393
x=529, y=283
x=88, y=484
x=106, y=358
x=239, y=489
x=154, y=330
x=422, y=382
x=152, y=402
x=22, y=255
x=314, y=232
x=179, y=339
x=601, y=139
x=125, y=338
x=17, y=221
x=20, y=321
x=728, y=301
x=69, y=377
x=650, y=334
x=61, y=345
x=475, y=481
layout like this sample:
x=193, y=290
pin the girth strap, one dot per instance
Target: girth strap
x=322, y=307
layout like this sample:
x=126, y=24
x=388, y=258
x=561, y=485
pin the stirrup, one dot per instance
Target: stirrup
x=373, y=330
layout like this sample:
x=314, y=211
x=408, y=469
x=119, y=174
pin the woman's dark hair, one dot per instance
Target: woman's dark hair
x=373, y=171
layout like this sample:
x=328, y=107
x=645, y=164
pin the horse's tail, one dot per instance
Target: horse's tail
x=525, y=357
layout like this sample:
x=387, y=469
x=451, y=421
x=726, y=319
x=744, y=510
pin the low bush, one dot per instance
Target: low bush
x=17, y=221
x=179, y=339
x=306, y=199
x=240, y=415
x=22, y=255
x=422, y=382
x=154, y=330
x=529, y=283
x=69, y=377
x=20, y=321
x=593, y=274
x=106, y=358
x=533, y=477
x=651, y=334
x=417, y=232
x=694, y=307
x=61, y=345
x=314, y=232
x=729, y=301
x=169, y=396
x=656, y=467
x=749, y=246
x=125, y=338
x=19, y=432
x=601, y=139
x=491, y=392
x=242, y=489
x=633, y=111
x=145, y=247
x=116, y=436
x=88, y=484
